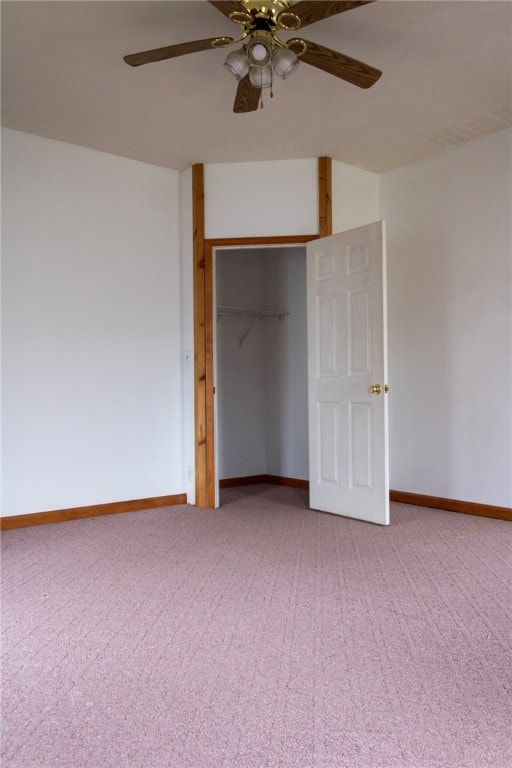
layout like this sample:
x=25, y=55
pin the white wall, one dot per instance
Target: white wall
x=257, y=199
x=281, y=198
x=355, y=197
x=92, y=385
x=98, y=311
x=450, y=313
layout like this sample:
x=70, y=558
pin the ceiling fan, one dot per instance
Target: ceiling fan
x=263, y=54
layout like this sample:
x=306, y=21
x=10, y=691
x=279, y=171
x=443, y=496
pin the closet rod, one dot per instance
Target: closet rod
x=259, y=314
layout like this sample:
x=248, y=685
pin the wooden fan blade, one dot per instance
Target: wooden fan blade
x=169, y=52
x=310, y=11
x=227, y=6
x=247, y=96
x=337, y=64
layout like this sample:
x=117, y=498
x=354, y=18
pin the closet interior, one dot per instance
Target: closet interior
x=261, y=363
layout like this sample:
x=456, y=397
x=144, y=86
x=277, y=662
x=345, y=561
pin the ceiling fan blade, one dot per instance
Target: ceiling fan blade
x=337, y=64
x=310, y=11
x=247, y=96
x=227, y=6
x=169, y=52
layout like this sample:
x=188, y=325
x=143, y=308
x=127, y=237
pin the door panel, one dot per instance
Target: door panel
x=346, y=356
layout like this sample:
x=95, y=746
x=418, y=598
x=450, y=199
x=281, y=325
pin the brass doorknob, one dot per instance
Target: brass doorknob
x=375, y=389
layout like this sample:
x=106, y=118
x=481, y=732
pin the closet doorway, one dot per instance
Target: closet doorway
x=260, y=365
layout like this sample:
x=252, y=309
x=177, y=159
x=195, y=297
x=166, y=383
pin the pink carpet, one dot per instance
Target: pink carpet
x=261, y=635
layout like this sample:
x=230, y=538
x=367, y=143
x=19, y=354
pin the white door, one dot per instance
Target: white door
x=347, y=374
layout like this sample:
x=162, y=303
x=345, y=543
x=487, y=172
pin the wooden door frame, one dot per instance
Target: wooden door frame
x=204, y=423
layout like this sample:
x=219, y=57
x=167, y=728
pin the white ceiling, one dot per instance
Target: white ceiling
x=447, y=79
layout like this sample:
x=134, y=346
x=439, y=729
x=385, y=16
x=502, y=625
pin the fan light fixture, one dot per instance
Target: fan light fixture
x=261, y=77
x=284, y=62
x=263, y=53
x=237, y=64
x=259, y=52
x=261, y=59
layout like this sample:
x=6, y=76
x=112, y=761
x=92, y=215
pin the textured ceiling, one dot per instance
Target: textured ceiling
x=447, y=79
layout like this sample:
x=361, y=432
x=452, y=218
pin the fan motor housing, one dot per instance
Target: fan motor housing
x=269, y=16
x=270, y=9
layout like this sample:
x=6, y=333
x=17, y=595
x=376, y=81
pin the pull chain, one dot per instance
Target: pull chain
x=271, y=87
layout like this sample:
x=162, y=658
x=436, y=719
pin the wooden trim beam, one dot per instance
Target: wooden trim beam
x=203, y=357
x=233, y=242
x=209, y=471
x=324, y=196
x=200, y=428
x=433, y=502
x=291, y=482
x=234, y=482
x=204, y=429
x=452, y=505
x=95, y=510
x=155, y=502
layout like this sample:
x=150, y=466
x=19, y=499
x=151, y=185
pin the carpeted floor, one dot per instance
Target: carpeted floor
x=260, y=635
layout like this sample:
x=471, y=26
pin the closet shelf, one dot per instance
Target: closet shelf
x=257, y=314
